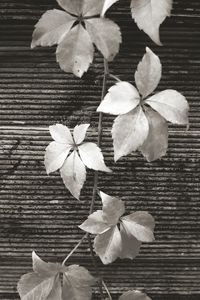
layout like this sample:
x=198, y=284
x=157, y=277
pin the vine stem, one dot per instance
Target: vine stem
x=74, y=249
x=96, y=179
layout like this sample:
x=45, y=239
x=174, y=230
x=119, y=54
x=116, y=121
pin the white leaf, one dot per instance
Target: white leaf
x=107, y=5
x=72, y=6
x=106, y=35
x=108, y=245
x=73, y=173
x=55, y=156
x=80, y=133
x=129, y=132
x=61, y=134
x=113, y=208
x=43, y=268
x=77, y=283
x=148, y=73
x=120, y=99
x=95, y=223
x=56, y=292
x=149, y=14
x=92, y=7
x=130, y=245
x=51, y=28
x=92, y=157
x=75, y=52
x=171, y=105
x=33, y=286
x=134, y=295
x=156, y=144
x=140, y=225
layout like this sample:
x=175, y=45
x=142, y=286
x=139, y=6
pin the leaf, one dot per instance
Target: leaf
x=56, y=292
x=80, y=133
x=149, y=14
x=108, y=245
x=51, y=28
x=113, y=208
x=107, y=5
x=61, y=134
x=77, y=283
x=43, y=268
x=33, y=286
x=92, y=7
x=106, y=35
x=130, y=245
x=120, y=99
x=148, y=73
x=92, y=157
x=129, y=132
x=75, y=52
x=72, y=6
x=140, y=225
x=95, y=223
x=171, y=105
x=55, y=156
x=73, y=173
x=134, y=295
x=156, y=144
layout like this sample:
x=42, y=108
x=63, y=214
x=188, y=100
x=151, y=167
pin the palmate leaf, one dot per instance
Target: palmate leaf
x=113, y=241
x=72, y=168
x=45, y=283
x=75, y=51
x=141, y=124
x=134, y=295
x=149, y=15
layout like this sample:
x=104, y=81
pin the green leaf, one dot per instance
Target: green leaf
x=172, y=105
x=73, y=173
x=149, y=14
x=129, y=132
x=92, y=157
x=75, y=52
x=106, y=35
x=120, y=99
x=141, y=225
x=108, y=245
x=51, y=28
x=134, y=295
x=148, y=73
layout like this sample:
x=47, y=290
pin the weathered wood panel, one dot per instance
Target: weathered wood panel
x=36, y=210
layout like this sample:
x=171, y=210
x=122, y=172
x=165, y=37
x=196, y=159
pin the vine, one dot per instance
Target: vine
x=141, y=124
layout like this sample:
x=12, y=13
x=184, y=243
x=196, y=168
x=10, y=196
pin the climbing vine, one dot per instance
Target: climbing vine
x=141, y=124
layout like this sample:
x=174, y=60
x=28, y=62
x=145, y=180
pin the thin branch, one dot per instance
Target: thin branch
x=74, y=249
x=96, y=176
x=114, y=77
x=107, y=290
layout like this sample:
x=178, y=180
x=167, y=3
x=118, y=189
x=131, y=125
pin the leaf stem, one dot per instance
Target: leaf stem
x=114, y=77
x=107, y=290
x=96, y=177
x=74, y=249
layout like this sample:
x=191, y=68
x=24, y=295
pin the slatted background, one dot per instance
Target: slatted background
x=38, y=213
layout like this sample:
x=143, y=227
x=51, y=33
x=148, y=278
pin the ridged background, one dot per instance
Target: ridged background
x=38, y=213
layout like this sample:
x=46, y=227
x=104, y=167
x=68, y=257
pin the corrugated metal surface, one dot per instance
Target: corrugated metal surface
x=36, y=210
